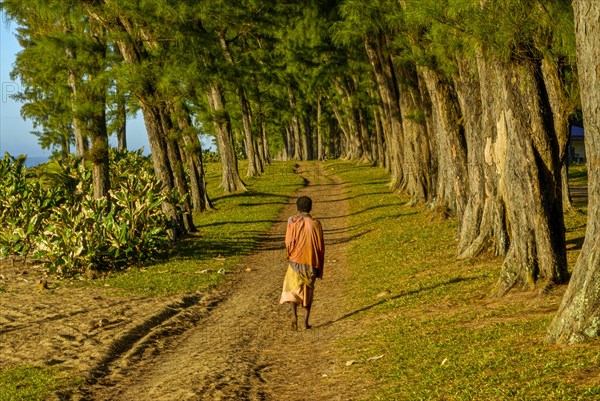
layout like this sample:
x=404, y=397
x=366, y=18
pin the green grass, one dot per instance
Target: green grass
x=578, y=174
x=225, y=235
x=575, y=220
x=30, y=383
x=442, y=336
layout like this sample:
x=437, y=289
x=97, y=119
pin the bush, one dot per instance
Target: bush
x=69, y=230
x=24, y=206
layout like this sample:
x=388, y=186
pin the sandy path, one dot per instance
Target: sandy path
x=241, y=347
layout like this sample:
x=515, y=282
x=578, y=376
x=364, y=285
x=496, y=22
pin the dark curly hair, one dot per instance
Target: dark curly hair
x=304, y=204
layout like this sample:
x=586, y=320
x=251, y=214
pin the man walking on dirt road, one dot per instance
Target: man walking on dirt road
x=305, y=251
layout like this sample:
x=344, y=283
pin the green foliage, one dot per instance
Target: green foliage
x=210, y=157
x=69, y=230
x=24, y=205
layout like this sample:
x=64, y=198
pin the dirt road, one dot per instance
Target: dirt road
x=240, y=346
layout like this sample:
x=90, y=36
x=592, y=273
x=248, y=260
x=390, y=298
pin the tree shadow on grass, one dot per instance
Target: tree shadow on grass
x=206, y=247
x=354, y=197
x=250, y=194
x=576, y=243
x=400, y=295
x=369, y=209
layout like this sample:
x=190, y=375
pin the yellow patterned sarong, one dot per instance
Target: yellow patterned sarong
x=298, y=287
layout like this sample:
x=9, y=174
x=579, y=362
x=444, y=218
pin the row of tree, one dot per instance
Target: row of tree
x=467, y=103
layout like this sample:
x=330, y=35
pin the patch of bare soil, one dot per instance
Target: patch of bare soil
x=234, y=343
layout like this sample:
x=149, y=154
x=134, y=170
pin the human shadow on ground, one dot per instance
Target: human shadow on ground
x=402, y=294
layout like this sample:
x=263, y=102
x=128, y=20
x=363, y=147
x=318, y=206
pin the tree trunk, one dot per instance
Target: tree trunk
x=97, y=130
x=245, y=110
x=286, y=151
x=484, y=222
x=320, y=150
x=379, y=141
x=383, y=68
x=451, y=188
x=527, y=155
x=306, y=130
x=230, y=178
x=192, y=149
x=65, y=146
x=567, y=199
x=344, y=153
x=365, y=140
x=294, y=128
x=121, y=121
x=81, y=141
x=346, y=92
x=176, y=164
x=578, y=316
x=257, y=158
x=265, y=142
x=253, y=168
x=160, y=161
x=561, y=110
x=98, y=155
x=334, y=138
x=473, y=238
x=417, y=152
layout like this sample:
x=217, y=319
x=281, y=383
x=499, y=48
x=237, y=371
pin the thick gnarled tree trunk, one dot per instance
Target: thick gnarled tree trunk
x=579, y=314
x=451, y=187
x=484, y=221
x=526, y=154
x=473, y=238
x=417, y=152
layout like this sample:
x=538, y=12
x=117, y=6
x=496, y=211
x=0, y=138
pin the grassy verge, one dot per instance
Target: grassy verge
x=225, y=235
x=441, y=336
x=29, y=383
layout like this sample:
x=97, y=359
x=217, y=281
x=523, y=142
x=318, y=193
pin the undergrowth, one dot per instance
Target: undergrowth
x=442, y=336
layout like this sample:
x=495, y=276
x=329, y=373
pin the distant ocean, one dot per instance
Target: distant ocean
x=34, y=161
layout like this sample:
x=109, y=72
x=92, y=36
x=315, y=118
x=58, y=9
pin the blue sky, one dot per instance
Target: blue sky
x=15, y=133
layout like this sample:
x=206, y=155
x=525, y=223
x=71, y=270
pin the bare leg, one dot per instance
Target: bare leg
x=294, y=316
x=306, y=316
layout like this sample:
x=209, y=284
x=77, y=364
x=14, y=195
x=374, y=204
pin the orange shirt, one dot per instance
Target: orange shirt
x=304, y=242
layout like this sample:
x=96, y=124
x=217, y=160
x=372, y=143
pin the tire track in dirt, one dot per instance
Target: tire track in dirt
x=243, y=348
